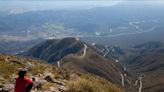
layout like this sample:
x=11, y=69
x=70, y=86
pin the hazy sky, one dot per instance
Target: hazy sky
x=51, y=4
x=28, y=5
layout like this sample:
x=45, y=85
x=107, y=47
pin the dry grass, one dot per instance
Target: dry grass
x=37, y=69
x=46, y=86
x=92, y=84
x=57, y=76
x=8, y=69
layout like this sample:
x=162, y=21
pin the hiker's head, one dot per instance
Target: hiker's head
x=22, y=73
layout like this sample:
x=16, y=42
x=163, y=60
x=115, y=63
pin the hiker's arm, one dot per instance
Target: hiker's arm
x=29, y=87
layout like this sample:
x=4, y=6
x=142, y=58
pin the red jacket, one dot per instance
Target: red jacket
x=22, y=83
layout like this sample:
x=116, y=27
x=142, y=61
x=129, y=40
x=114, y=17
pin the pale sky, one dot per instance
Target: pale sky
x=50, y=4
x=33, y=5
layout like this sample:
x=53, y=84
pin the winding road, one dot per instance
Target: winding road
x=85, y=50
x=141, y=84
x=58, y=63
x=124, y=68
x=140, y=31
x=122, y=78
x=136, y=82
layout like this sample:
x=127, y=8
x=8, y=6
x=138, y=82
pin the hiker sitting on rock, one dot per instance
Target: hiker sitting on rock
x=23, y=84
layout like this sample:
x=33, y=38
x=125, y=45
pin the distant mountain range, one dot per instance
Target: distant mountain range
x=102, y=21
x=16, y=47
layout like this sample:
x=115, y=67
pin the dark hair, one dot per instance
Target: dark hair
x=22, y=73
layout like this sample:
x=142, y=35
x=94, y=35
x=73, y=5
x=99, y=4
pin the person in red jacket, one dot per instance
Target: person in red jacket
x=23, y=84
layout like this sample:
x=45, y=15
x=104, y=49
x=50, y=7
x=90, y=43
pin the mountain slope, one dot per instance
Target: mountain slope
x=143, y=63
x=147, y=57
x=76, y=56
x=94, y=63
x=48, y=78
x=151, y=67
x=54, y=50
x=146, y=62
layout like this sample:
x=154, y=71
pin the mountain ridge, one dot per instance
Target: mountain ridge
x=76, y=56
